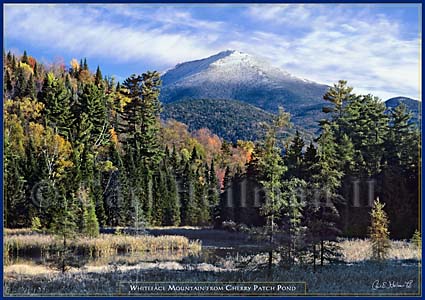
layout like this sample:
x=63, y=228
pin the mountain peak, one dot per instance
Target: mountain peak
x=232, y=64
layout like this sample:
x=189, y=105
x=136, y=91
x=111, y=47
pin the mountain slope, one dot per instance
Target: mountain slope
x=240, y=76
x=230, y=119
x=413, y=105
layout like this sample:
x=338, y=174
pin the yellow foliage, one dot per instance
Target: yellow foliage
x=51, y=77
x=26, y=68
x=14, y=134
x=55, y=149
x=36, y=132
x=74, y=64
x=121, y=100
x=26, y=108
x=114, y=136
x=106, y=166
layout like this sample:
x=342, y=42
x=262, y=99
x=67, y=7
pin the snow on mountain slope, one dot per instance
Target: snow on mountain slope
x=240, y=76
x=230, y=65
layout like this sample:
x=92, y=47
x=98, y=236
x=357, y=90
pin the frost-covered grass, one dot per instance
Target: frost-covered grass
x=101, y=277
x=335, y=279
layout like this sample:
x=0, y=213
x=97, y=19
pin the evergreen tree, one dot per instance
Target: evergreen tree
x=225, y=211
x=189, y=204
x=57, y=101
x=338, y=95
x=321, y=213
x=20, y=84
x=92, y=103
x=379, y=234
x=25, y=58
x=293, y=203
x=142, y=116
x=30, y=89
x=399, y=177
x=13, y=65
x=7, y=84
x=294, y=157
x=64, y=226
x=35, y=70
x=85, y=65
x=272, y=168
x=365, y=123
x=172, y=208
x=91, y=225
x=213, y=192
x=159, y=199
x=98, y=77
x=201, y=194
x=309, y=160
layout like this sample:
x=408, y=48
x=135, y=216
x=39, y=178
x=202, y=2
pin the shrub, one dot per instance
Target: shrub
x=417, y=239
x=36, y=224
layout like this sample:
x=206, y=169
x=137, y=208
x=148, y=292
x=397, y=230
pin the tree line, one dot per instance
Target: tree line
x=82, y=151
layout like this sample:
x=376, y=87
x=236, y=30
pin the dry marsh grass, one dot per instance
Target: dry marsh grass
x=148, y=260
x=104, y=245
x=356, y=250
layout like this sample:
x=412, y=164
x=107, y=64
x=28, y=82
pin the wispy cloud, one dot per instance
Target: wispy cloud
x=84, y=32
x=374, y=49
x=367, y=49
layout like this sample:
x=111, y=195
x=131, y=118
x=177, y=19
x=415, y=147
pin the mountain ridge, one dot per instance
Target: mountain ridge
x=235, y=75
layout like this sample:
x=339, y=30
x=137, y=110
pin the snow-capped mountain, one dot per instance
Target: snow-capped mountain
x=240, y=76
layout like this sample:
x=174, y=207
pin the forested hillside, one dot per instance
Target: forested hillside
x=230, y=119
x=82, y=152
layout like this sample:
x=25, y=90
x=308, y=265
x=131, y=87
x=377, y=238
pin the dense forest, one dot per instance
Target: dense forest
x=230, y=119
x=82, y=151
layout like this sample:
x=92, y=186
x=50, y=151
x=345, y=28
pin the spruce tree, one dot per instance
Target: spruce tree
x=85, y=65
x=189, y=205
x=398, y=179
x=159, y=199
x=30, y=90
x=294, y=157
x=64, y=226
x=213, y=192
x=98, y=77
x=25, y=58
x=201, y=195
x=272, y=168
x=7, y=84
x=91, y=225
x=172, y=207
x=57, y=101
x=20, y=84
x=225, y=210
x=36, y=70
x=321, y=213
x=378, y=231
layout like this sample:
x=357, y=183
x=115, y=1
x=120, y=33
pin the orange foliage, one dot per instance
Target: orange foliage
x=85, y=76
x=210, y=142
x=114, y=136
x=174, y=132
x=31, y=62
x=220, y=176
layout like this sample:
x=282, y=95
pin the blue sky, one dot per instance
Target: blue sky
x=375, y=47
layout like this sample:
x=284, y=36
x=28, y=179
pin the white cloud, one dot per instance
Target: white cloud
x=323, y=43
x=364, y=49
x=81, y=32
